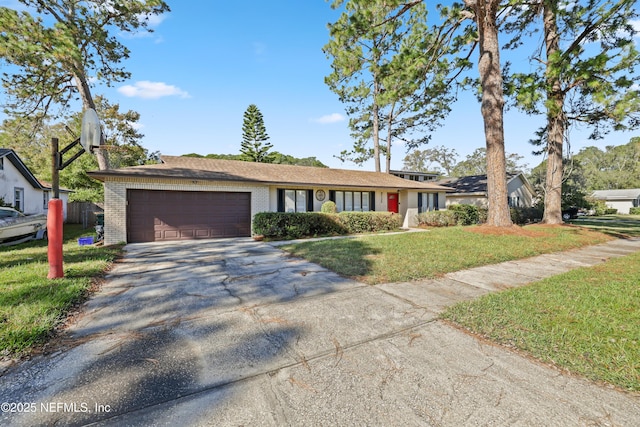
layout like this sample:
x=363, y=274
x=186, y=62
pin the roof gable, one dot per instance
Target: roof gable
x=11, y=155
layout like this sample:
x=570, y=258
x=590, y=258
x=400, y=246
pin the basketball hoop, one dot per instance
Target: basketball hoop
x=91, y=134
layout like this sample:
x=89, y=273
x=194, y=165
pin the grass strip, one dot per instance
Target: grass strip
x=586, y=321
x=32, y=306
x=410, y=256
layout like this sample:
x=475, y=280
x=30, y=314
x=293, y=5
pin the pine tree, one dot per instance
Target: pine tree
x=254, y=147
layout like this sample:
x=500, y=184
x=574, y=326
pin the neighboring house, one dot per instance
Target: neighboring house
x=416, y=176
x=21, y=189
x=191, y=198
x=472, y=190
x=622, y=200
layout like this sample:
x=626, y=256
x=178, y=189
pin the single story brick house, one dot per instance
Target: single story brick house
x=622, y=200
x=472, y=190
x=195, y=198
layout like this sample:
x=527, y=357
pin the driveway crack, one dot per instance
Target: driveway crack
x=225, y=285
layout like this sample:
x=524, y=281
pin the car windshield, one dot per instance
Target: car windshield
x=6, y=213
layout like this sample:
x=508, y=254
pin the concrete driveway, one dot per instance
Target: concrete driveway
x=235, y=332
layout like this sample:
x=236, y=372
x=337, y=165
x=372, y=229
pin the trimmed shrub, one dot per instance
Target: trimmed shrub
x=438, y=218
x=610, y=211
x=294, y=225
x=521, y=216
x=634, y=211
x=465, y=214
x=369, y=222
x=483, y=213
x=599, y=207
x=328, y=207
x=291, y=225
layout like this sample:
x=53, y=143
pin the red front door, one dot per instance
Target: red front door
x=392, y=202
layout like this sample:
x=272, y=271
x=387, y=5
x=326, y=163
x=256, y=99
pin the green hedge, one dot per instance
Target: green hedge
x=610, y=211
x=523, y=216
x=438, y=218
x=368, y=222
x=465, y=214
x=459, y=214
x=634, y=211
x=290, y=225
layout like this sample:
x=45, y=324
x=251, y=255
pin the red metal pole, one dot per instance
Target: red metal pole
x=55, y=218
x=54, y=233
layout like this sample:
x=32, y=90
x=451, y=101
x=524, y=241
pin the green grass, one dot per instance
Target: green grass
x=586, y=320
x=614, y=225
x=32, y=306
x=409, y=256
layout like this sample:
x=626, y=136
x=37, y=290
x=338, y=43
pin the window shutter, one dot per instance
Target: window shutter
x=332, y=195
x=372, y=200
x=280, y=199
x=309, y=200
x=419, y=202
x=436, y=198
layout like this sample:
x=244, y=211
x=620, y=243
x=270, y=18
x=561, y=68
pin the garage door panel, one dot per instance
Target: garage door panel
x=155, y=215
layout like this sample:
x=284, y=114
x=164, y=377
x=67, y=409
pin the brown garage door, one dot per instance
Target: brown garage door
x=154, y=215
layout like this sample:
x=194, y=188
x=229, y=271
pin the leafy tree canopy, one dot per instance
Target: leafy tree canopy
x=120, y=134
x=56, y=47
x=278, y=158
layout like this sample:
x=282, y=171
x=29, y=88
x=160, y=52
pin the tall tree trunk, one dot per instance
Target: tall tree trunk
x=87, y=102
x=389, y=137
x=555, y=122
x=376, y=126
x=492, y=110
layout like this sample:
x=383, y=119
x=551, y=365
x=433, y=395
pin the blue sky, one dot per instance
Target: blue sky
x=207, y=61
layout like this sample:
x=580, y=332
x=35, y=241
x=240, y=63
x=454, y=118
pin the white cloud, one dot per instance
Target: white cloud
x=152, y=90
x=329, y=118
x=636, y=26
x=155, y=20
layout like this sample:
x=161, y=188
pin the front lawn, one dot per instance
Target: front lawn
x=614, y=225
x=32, y=306
x=409, y=256
x=586, y=320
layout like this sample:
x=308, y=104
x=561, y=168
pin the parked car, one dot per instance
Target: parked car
x=570, y=213
x=16, y=226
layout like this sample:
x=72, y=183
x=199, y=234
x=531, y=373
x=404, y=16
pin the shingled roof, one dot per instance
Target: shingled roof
x=196, y=168
x=471, y=184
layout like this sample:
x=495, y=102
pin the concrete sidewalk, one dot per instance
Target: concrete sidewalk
x=239, y=333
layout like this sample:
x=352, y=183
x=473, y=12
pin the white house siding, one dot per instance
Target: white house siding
x=623, y=206
x=33, y=198
x=476, y=200
x=115, y=194
x=409, y=206
x=10, y=179
x=516, y=188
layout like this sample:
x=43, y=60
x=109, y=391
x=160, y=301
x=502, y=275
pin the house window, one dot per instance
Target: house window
x=295, y=200
x=348, y=200
x=18, y=199
x=427, y=202
x=359, y=201
x=45, y=200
